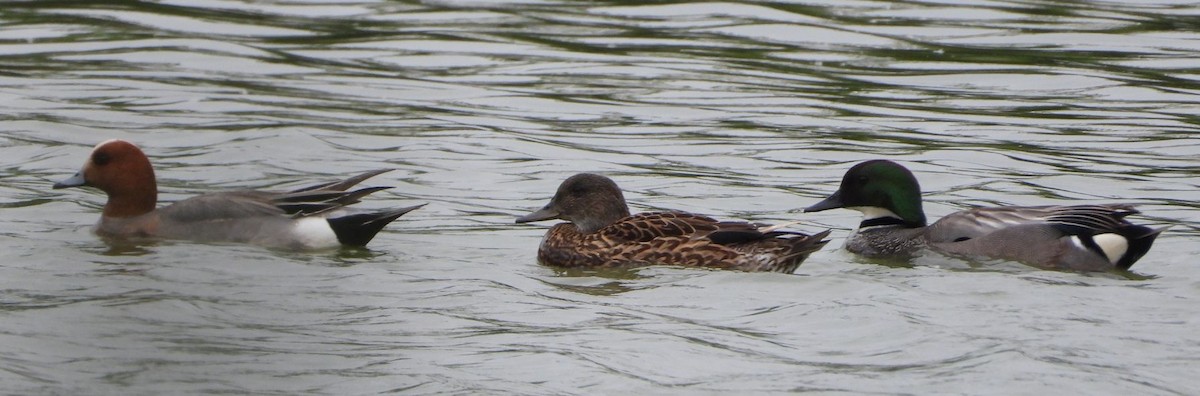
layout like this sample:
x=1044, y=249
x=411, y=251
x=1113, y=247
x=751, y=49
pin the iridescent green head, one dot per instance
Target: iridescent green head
x=879, y=189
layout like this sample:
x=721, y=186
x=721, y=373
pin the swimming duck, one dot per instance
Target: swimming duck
x=307, y=218
x=1074, y=237
x=601, y=233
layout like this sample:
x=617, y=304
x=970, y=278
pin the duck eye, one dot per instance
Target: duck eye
x=101, y=158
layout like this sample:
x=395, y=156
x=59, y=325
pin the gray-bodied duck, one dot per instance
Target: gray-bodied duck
x=601, y=233
x=314, y=217
x=1074, y=237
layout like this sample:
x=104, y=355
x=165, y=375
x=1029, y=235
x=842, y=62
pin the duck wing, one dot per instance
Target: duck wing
x=1078, y=237
x=306, y=201
x=1068, y=220
x=223, y=205
x=649, y=227
x=645, y=227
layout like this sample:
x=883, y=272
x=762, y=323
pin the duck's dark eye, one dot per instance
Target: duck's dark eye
x=101, y=158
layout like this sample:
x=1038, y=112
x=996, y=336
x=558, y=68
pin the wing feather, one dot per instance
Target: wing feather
x=302, y=202
x=1069, y=219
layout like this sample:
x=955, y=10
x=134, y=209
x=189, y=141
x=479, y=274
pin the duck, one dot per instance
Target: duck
x=309, y=218
x=600, y=232
x=1094, y=237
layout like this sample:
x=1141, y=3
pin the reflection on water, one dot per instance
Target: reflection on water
x=741, y=110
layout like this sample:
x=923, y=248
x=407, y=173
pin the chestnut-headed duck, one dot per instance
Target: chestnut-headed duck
x=600, y=233
x=309, y=218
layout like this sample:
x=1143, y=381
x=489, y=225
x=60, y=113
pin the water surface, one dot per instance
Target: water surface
x=744, y=110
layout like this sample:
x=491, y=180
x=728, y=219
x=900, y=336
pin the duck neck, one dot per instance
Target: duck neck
x=881, y=221
x=605, y=218
x=876, y=217
x=134, y=199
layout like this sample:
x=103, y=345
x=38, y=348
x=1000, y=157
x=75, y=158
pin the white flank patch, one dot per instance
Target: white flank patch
x=874, y=212
x=315, y=233
x=1113, y=245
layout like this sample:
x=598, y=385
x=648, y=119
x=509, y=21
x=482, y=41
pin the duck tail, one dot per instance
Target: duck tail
x=358, y=229
x=799, y=248
x=1140, y=239
x=808, y=244
x=344, y=184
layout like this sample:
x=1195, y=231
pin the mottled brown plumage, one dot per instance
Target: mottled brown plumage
x=602, y=234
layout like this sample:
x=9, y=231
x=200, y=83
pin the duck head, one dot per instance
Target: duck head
x=123, y=172
x=884, y=191
x=589, y=201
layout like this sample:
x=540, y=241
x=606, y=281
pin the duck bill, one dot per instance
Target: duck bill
x=545, y=213
x=73, y=181
x=833, y=202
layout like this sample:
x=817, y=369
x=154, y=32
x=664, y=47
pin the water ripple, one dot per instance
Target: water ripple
x=740, y=110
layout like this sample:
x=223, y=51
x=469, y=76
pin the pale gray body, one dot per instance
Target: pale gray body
x=1071, y=237
x=1051, y=237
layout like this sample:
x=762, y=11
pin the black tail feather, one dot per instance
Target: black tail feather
x=732, y=236
x=309, y=203
x=344, y=184
x=1140, y=239
x=358, y=229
